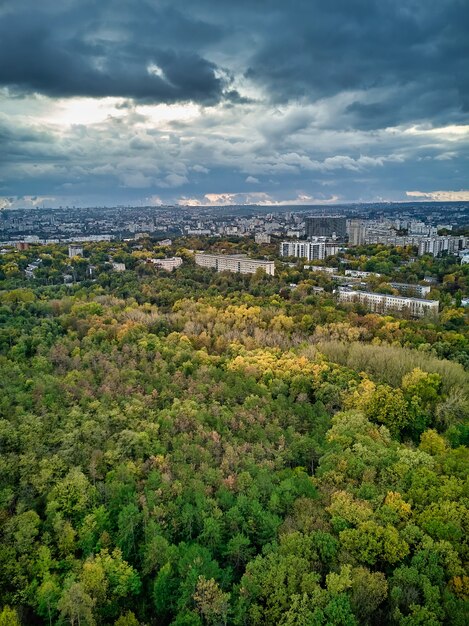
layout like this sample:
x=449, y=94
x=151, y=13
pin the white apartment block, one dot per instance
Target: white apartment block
x=167, y=264
x=437, y=245
x=310, y=250
x=234, y=263
x=262, y=238
x=360, y=274
x=407, y=289
x=75, y=251
x=384, y=303
x=434, y=244
x=321, y=269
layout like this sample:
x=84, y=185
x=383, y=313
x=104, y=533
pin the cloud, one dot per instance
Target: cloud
x=258, y=198
x=112, y=102
x=25, y=201
x=98, y=51
x=154, y=201
x=136, y=180
x=200, y=169
x=440, y=196
x=404, y=49
x=174, y=180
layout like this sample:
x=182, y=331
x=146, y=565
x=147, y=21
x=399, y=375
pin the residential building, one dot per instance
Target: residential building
x=262, y=238
x=234, y=263
x=31, y=268
x=438, y=245
x=360, y=274
x=406, y=289
x=326, y=226
x=356, y=230
x=75, y=251
x=384, y=303
x=167, y=264
x=332, y=248
x=309, y=250
x=320, y=268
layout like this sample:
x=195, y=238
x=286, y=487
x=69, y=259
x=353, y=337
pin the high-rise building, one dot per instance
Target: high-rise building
x=326, y=226
x=356, y=232
x=304, y=249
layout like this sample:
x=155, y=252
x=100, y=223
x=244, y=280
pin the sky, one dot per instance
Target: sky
x=221, y=102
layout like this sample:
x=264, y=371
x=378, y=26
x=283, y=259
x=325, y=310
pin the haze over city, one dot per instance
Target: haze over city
x=220, y=103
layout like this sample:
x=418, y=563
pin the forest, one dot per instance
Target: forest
x=209, y=449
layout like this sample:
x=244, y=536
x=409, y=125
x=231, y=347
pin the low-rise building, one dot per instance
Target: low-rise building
x=75, y=251
x=321, y=269
x=118, y=267
x=167, y=264
x=360, y=274
x=406, y=289
x=384, y=303
x=234, y=263
x=464, y=255
x=31, y=268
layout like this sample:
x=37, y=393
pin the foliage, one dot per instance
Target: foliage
x=198, y=449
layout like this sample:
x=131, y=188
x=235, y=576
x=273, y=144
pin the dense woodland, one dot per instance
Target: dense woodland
x=195, y=448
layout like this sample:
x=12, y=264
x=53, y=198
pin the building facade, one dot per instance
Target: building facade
x=406, y=289
x=356, y=230
x=384, y=303
x=326, y=226
x=234, y=263
x=75, y=251
x=167, y=264
x=310, y=250
x=262, y=238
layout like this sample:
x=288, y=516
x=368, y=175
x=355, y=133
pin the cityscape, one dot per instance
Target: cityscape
x=310, y=235
x=374, y=223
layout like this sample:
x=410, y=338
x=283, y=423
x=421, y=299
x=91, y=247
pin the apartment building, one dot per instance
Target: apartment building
x=384, y=303
x=234, y=263
x=360, y=274
x=167, y=264
x=406, y=289
x=356, y=230
x=311, y=250
x=438, y=245
x=75, y=251
x=326, y=226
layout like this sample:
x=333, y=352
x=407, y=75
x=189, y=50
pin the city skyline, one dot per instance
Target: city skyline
x=202, y=103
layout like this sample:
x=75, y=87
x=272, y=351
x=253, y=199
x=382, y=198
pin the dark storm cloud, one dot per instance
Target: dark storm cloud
x=319, y=49
x=300, y=50
x=118, y=49
x=353, y=98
